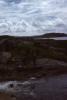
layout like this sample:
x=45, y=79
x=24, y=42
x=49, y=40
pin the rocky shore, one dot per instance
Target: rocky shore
x=50, y=88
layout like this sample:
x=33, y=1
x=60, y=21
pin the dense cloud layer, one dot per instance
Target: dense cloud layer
x=30, y=17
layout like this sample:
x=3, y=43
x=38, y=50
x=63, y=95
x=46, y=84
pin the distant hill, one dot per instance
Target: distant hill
x=50, y=35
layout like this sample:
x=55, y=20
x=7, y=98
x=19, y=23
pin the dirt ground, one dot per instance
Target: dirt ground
x=4, y=96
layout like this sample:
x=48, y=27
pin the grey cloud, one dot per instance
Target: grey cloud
x=31, y=17
x=10, y=1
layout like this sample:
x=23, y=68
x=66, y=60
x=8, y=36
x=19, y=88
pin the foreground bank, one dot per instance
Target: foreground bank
x=48, y=88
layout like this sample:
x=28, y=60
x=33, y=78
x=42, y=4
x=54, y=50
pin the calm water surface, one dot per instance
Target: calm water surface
x=56, y=38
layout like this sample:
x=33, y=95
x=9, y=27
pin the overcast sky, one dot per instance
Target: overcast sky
x=32, y=17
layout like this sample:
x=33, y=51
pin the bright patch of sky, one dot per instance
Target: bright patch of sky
x=32, y=17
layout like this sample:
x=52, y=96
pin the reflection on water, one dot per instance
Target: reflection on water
x=56, y=38
x=60, y=38
x=48, y=88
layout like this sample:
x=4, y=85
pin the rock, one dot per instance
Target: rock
x=4, y=56
x=46, y=62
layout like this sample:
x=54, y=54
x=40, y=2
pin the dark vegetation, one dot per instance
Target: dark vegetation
x=20, y=56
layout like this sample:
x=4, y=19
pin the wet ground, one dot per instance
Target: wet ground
x=46, y=88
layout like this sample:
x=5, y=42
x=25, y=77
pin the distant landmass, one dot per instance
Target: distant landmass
x=46, y=35
x=49, y=35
